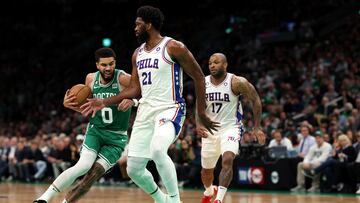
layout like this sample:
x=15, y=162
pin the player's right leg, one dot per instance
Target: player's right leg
x=66, y=178
x=210, y=153
x=87, y=158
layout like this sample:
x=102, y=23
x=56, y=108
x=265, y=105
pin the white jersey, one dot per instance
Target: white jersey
x=160, y=77
x=222, y=105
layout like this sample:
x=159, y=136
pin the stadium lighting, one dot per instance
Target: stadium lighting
x=106, y=42
x=229, y=30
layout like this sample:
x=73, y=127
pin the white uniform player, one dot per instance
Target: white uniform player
x=159, y=103
x=223, y=90
x=157, y=77
x=222, y=106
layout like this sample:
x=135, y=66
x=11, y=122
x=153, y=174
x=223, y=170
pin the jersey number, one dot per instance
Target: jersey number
x=147, y=78
x=216, y=107
x=107, y=115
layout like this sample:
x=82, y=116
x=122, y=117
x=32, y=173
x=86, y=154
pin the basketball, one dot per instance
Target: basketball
x=81, y=92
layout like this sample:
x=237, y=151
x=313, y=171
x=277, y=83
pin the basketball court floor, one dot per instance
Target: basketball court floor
x=25, y=193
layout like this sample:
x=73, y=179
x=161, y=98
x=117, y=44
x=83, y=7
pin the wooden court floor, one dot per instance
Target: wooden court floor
x=19, y=193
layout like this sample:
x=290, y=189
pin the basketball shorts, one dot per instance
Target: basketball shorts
x=108, y=145
x=224, y=140
x=144, y=125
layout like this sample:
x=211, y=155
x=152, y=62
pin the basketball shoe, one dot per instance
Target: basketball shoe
x=207, y=199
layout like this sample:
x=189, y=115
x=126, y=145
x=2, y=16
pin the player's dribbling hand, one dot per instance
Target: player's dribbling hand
x=125, y=104
x=259, y=135
x=92, y=106
x=69, y=100
x=208, y=124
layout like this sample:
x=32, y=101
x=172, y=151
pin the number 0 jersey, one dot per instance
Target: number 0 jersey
x=222, y=105
x=109, y=118
x=160, y=77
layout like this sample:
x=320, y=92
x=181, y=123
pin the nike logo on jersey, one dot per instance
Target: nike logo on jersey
x=217, y=96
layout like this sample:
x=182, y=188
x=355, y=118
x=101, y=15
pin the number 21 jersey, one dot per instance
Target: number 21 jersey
x=160, y=77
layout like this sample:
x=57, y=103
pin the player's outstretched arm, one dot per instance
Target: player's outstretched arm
x=133, y=91
x=241, y=86
x=184, y=57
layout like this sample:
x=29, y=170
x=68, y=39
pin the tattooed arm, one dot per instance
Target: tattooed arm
x=240, y=85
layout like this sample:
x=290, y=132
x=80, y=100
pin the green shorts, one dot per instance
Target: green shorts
x=108, y=145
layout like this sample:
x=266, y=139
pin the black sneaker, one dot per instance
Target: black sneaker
x=39, y=201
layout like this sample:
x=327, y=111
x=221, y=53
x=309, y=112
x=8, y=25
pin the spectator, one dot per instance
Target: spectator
x=279, y=140
x=59, y=156
x=318, y=153
x=334, y=168
x=306, y=142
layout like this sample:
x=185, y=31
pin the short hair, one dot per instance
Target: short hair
x=151, y=15
x=104, y=53
x=345, y=138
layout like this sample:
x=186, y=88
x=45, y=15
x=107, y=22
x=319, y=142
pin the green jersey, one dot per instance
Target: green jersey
x=109, y=118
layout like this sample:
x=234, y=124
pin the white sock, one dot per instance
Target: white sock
x=50, y=193
x=64, y=201
x=209, y=191
x=158, y=196
x=221, y=193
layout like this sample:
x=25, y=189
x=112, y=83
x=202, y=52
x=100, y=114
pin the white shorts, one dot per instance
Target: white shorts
x=146, y=119
x=224, y=140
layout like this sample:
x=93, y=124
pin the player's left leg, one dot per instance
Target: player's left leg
x=164, y=136
x=226, y=174
x=229, y=147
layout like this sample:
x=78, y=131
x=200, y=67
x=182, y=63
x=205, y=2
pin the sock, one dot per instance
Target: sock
x=221, y=193
x=158, y=195
x=64, y=201
x=50, y=192
x=209, y=191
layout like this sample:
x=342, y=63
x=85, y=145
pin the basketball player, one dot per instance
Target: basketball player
x=106, y=134
x=157, y=76
x=223, y=105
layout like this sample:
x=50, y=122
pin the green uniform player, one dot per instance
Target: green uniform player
x=106, y=134
x=107, y=131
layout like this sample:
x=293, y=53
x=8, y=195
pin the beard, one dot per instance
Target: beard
x=105, y=78
x=143, y=37
x=218, y=74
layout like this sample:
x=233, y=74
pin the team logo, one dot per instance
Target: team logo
x=274, y=177
x=158, y=49
x=207, y=84
x=162, y=121
x=257, y=175
x=251, y=175
x=225, y=83
x=114, y=86
x=140, y=50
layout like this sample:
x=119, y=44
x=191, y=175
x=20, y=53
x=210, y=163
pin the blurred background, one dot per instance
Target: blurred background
x=302, y=56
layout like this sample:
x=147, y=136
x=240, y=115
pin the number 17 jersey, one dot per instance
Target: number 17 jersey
x=160, y=77
x=222, y=105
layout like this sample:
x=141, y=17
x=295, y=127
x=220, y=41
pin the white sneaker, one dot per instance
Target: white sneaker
x=358, y=191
